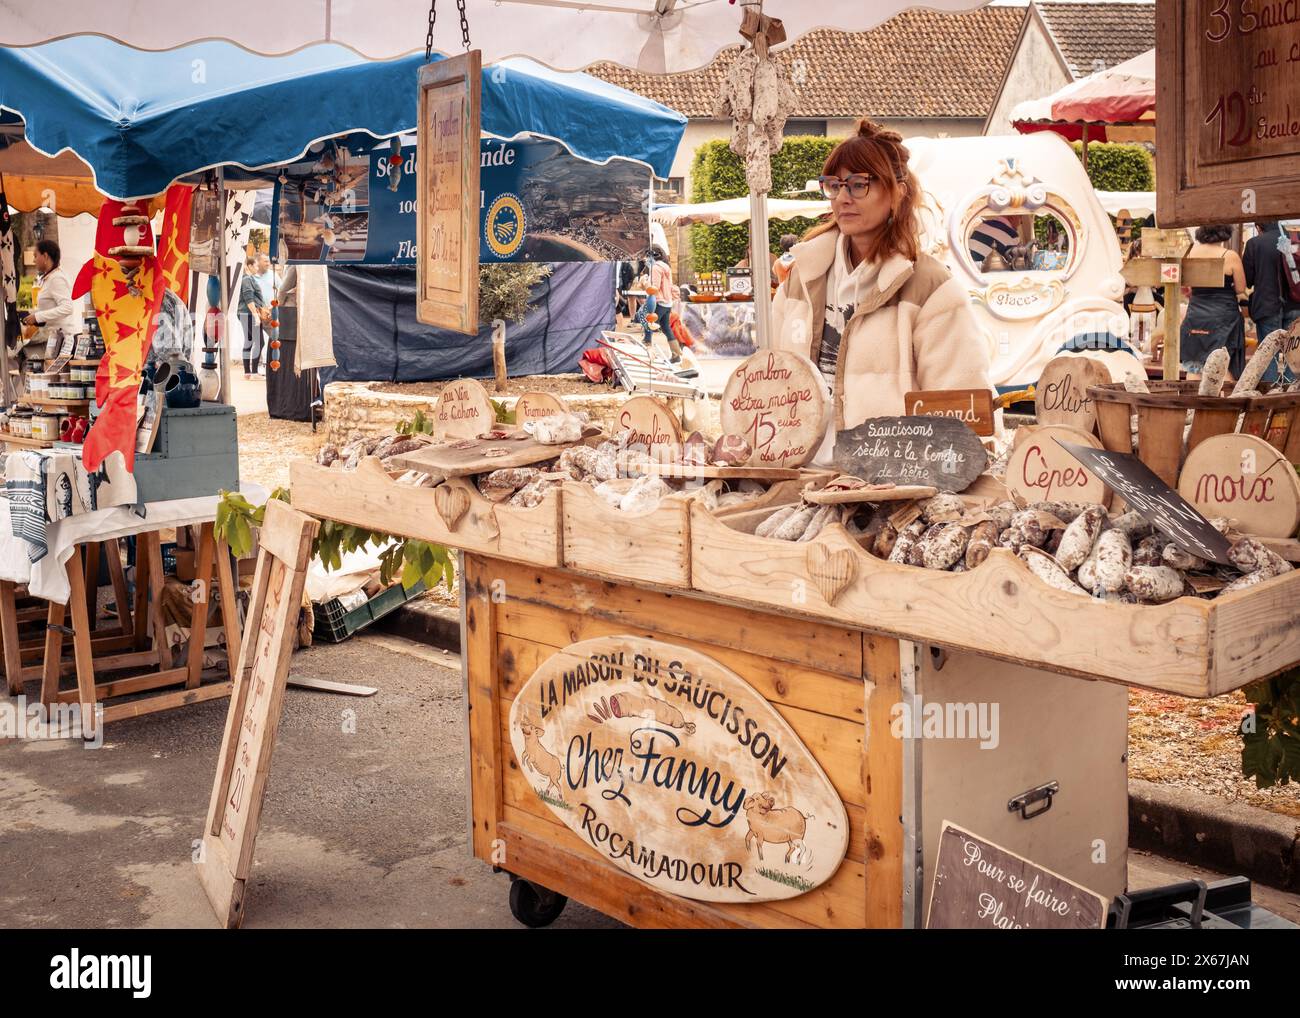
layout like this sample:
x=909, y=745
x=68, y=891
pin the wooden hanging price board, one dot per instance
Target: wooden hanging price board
x=1228, y=92
x=532, y=406
x=1245, y=479
x=464, y=410
x=775, y=400
x=448, y=188
x=937, y=452
x=244, y=764
x=973, y=407
x=981, y=886
x=648, y=422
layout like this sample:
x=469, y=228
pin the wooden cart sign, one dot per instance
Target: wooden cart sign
x=448, y=187
x=647, y=421
x=677, y=771
x=777, y=401
x=1161, y=506
x=1061, y=395
x=464, y=410
x=936, y=451
x=1245, y=479
x=980, y=886
x=973, y=407
x=1228, y=123
x=245, y=760
x=1039, y=470
x=532, y=406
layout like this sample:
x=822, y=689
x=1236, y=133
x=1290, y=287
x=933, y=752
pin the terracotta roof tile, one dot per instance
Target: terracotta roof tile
x=917, y=64
x=1094, y=36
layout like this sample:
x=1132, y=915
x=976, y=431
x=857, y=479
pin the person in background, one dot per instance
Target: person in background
x=1270, y=305
x=781, y=267
x=878, y=316
x=56, y=312
x=661, y=278
x=268, y=280
x=252, y=315
x=1216, y=315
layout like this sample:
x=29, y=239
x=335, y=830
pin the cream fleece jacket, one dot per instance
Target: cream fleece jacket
x=914, y=330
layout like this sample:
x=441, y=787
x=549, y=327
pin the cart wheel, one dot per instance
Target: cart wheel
x=535, y=906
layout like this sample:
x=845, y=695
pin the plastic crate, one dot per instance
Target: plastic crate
x=335, y=624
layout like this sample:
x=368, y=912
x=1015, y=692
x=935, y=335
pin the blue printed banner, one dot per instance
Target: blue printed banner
x=353, y=199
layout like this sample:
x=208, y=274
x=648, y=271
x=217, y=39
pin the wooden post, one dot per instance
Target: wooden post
x=1173, y=323
x=1084, y=147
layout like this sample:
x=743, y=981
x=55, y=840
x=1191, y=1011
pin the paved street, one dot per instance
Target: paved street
x=363, y=829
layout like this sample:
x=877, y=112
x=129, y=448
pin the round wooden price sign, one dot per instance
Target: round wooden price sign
x=1061, y=396
x=463, y=410
x=1245, y=479
x=777, y=402
x=1039, y=470
x=532, y=406
x=648, y=422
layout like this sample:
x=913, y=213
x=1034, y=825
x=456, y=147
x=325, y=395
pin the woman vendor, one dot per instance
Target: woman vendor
x=862, y=301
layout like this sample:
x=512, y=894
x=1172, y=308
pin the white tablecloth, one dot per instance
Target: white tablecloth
x=48, y=578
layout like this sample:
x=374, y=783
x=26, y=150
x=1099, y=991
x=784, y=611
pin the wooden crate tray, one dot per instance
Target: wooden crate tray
x=1192, y=647
x=650, y=547
x=369, y=497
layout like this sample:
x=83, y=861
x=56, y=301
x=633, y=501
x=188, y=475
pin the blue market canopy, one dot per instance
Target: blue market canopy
x=144, y=119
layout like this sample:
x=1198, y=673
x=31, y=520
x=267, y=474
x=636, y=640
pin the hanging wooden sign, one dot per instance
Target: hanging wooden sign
x=244, y=764
x=1228, y=133
x=1061, y=395
x=464, y=410
x=447, y=209
x=776, y=401
x=674, y=769
x=1245, y=479
x=532, y=406
x=973, y=407
x=980, y=886
x=646, y=421
x=936, y=451
x=1039, y=470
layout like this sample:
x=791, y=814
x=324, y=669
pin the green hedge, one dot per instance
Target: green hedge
x=1114, y=166
x=717, y=173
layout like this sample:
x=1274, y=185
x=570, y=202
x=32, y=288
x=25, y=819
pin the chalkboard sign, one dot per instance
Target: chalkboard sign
x=938, y=451
x=980, y=886
x=1158, y=503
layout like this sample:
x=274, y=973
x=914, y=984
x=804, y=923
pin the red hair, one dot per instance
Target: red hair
x=882, y=154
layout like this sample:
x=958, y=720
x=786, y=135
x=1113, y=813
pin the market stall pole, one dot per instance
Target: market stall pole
x=1163, y=263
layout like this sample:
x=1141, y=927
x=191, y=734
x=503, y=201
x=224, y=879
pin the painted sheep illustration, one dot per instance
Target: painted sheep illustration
x=785, y=826
x=538, y=757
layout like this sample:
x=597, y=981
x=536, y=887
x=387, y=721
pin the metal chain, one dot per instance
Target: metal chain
x=464, y=24
x=428, y=39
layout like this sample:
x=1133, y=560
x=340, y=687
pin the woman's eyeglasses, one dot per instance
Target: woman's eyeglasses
x=859, y=185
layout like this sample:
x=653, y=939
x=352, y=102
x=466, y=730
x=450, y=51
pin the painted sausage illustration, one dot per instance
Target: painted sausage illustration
x=538, y=757
x=785, y=826
x=625, y=705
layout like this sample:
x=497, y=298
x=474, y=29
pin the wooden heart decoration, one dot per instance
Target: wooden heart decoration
x=452, y=503
x=832, y=571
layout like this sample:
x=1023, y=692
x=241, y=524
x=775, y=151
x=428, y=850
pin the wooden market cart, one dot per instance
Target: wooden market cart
x=834, y=640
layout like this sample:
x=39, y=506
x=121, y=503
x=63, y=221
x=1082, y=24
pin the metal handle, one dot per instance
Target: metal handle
x=1043, y=793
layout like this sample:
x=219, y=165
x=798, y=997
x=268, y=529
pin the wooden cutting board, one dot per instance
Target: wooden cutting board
x=682, y=471
x=482, y=455
x=899, y=493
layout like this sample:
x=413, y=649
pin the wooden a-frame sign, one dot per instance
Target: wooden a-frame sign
x=447, y=208
x=245, y=762
x=1227, y=112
